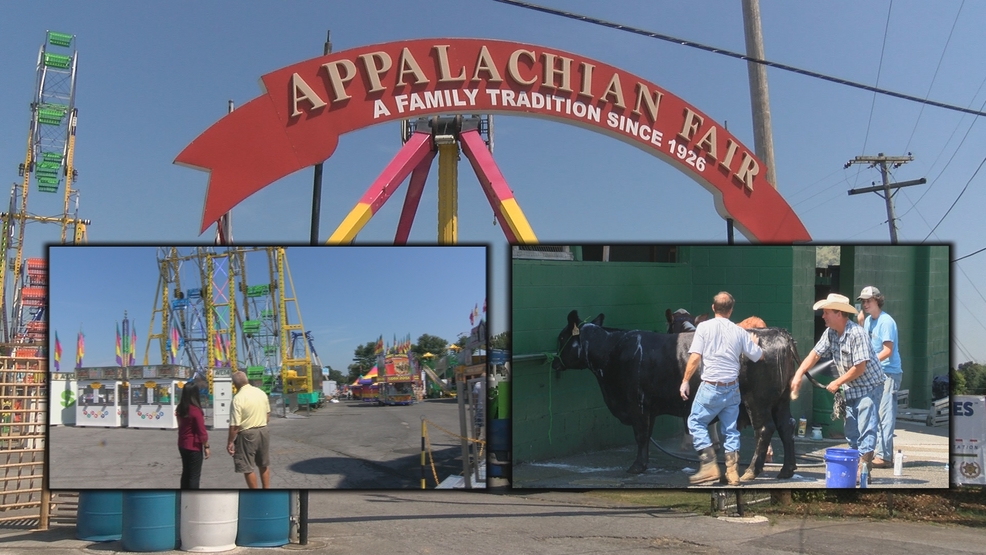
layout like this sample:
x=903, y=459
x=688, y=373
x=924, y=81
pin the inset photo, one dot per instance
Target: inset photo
x=706, y=366
x=176, y=367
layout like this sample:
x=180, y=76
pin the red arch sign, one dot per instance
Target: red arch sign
x=307, y=106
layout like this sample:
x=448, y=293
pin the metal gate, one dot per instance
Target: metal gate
x=23, y=398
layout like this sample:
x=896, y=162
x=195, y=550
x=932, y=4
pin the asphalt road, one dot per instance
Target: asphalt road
x=472, y=523
x=347, y=445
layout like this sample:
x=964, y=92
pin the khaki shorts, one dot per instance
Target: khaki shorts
x=252, y=447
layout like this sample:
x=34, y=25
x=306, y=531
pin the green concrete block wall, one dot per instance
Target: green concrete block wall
x=915, y=282
x=560, y=415
x=555, y=415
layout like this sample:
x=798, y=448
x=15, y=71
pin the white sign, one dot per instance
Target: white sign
x=968, y=439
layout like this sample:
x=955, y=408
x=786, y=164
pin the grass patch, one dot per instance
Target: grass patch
x=963, y=506
x=678, y=500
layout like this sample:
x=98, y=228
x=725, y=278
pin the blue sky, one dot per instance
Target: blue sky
x=347, y=296
x=154, y=75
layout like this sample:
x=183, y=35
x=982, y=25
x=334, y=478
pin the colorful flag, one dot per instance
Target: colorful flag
x=58, y=352
x=125, y=338
x=472, y=316
x=174, y=345
x=379, y=348
x=119, y=354
x=133, y=346
x=219, y=351
x=79, y=350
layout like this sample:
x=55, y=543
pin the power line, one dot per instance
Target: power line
x=968, y=255
x=964, y=189
x=935, y=76
x=738, y=56
x=879, y=70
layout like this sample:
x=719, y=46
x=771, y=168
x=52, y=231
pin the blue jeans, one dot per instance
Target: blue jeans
x=861, y=420
x=888, y=417
x=711, y=401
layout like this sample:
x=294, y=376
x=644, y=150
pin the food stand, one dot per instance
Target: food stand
x=102, y=397
x=154, y=394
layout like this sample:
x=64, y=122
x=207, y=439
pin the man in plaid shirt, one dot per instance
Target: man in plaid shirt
x=860, y=375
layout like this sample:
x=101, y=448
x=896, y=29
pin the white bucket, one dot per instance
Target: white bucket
x=208, y=520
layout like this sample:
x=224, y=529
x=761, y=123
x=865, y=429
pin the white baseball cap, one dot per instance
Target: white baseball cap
x=868, y=292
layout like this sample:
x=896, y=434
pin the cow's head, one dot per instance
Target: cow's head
x=680, y=321
x=569, y=354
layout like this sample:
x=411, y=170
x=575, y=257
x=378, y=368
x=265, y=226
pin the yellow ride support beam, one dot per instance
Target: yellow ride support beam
x=448, y=193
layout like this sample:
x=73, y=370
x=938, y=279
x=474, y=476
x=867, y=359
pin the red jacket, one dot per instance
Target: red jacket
x=191, y=430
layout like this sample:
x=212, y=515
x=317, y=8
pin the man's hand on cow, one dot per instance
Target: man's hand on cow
x=684, y=389
x=754, y=338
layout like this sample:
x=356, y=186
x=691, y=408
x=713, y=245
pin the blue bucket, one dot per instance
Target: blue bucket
x=264, y=518
x=149, y=522
x=840, y=468
x=99, y=517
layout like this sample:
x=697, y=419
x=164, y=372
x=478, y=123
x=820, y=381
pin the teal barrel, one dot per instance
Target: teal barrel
x=264, y=518
x=149, y=520
x=499, y=447
x=100, y=516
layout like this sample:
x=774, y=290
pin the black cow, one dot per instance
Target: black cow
x=639, y=373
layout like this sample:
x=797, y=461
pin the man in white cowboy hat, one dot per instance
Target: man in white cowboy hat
x=860, y=375
x=882, y=330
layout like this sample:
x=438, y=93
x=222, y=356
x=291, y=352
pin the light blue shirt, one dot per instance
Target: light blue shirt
x=885, y=329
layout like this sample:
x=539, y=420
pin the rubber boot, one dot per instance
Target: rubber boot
x=866, y=459
x=732, y=461
x=709, y=471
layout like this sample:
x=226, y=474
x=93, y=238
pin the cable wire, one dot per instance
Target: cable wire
x=879, y=70
x=738, y=56
x=935, y=76
x=968, y=255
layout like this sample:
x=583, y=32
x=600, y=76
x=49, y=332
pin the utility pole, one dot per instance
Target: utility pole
x=887, y=187
x=317, y=181
x=763, y=141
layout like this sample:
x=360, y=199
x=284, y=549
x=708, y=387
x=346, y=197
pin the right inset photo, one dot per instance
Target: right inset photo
x=711, y=366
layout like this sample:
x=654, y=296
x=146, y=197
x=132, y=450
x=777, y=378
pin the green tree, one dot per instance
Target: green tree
x=957, y=382
x=500, y=341
x=364, y=358
x=975, y=377
x=337, y=376
x=429, y=344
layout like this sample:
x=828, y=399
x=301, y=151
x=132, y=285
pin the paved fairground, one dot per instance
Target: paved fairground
x=348, y=445
x=467, y=523
x=925, y=451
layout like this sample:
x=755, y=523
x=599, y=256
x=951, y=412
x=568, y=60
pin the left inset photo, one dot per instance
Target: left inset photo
x=220, y=367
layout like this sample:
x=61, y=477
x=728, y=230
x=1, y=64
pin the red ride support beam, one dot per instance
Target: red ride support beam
x=413, y=197
x=508, y=213
x=407, y=158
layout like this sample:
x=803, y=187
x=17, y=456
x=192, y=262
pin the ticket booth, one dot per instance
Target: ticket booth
x=222, y=398
x=154, y=394
x=101, y=399
x=63, y=398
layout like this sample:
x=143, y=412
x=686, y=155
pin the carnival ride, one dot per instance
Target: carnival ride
x=443, y=136
x=208, y=314
x=49, y=163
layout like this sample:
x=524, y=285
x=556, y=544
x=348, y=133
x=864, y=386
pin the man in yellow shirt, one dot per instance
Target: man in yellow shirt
x=249, y=439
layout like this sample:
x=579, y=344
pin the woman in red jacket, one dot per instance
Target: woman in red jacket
x=193, y=439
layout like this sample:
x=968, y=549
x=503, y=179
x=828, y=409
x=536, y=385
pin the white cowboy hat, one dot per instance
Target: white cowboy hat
x=835, y=302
